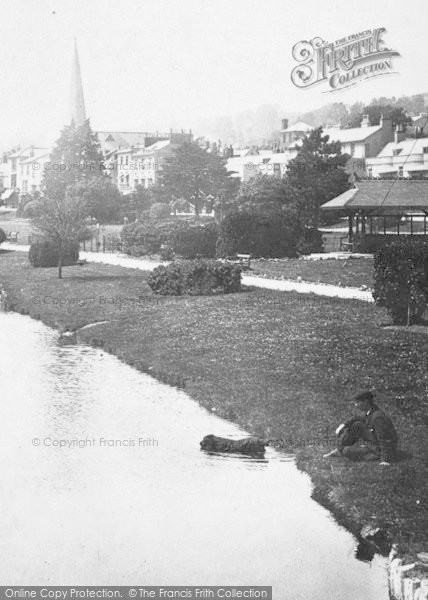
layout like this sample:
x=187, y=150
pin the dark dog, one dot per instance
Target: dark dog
x=212, y=443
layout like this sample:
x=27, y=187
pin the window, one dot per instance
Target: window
x=370, y=173
x=396, y=151
x=126, y=160
x=13, y=164
x=121, y=159
x=400, y=172
x=28, y=169
x=25, y=186
x=425, y=149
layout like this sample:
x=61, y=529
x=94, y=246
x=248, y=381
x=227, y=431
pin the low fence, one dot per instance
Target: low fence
x=104, y=243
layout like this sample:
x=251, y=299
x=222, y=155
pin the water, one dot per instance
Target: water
x=165, y=514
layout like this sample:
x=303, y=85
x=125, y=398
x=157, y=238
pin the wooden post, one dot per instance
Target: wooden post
x=384, y=225
x=425, y=223
x=371, y=223
x=398, y=225
x=363, y=224
x=411, y=224
x=350, y=228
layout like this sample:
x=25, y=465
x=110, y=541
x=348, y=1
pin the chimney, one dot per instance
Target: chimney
x=399, y=134
x=284, y=123
x=366, y=121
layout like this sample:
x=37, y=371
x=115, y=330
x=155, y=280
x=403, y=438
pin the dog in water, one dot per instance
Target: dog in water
x=212, y=443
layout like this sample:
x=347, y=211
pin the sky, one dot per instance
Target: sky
x=156, y=64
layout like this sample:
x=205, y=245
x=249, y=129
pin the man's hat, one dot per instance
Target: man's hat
x=365, y=395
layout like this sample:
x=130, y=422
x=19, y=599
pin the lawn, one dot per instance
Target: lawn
x=353, y=272
x=280, y=365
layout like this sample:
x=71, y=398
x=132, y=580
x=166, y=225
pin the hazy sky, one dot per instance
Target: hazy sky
x=152, y=64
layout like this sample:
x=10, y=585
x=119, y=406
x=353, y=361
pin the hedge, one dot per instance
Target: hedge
x=3, y=236
x=267, y=236
x=195, y=278
x=372, y=242
x=401, y=279
x=180, y=237
x=311, y=240
x=45, y=254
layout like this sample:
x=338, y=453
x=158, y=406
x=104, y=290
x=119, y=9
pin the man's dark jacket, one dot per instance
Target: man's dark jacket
x=384, y=434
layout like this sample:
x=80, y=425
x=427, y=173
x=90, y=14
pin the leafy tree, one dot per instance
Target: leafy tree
x=61, y=220
x=375, y=112
x=263, y=194
x=316, y=175
x=329, y=115
x=102, y=197
x=355, y=114
x=193, y=174
x=140, y=200
x=224, y=202
x=76, y=159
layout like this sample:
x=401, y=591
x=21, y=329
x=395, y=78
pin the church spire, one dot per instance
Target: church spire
x=78, y=114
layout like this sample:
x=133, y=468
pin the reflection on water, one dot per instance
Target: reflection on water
x=132, y=499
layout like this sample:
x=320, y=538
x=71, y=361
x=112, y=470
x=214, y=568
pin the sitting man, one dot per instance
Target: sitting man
x=374, y=427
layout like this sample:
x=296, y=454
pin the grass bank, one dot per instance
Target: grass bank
x=278, y=364
x=353, y=272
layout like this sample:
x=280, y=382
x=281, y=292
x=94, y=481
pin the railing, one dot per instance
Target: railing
x=103, y=244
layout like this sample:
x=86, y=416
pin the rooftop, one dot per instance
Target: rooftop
x=355, y=134
x=382, y=194
x=407, y=147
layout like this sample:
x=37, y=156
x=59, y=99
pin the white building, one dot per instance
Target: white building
x=365, y=141
x=407, y=158
x=31, y=171
x=22, y=170
x=140, y=165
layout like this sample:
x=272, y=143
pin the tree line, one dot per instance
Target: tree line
x=190, y=175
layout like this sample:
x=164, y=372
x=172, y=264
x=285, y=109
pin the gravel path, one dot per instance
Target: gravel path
x=287, y=285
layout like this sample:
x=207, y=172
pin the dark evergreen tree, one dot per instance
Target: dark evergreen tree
x=76, y=159
x=316, y=175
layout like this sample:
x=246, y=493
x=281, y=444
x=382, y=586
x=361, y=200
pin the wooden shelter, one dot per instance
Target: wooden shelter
x=386, y=207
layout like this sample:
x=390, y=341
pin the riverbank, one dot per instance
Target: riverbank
x=278, y=364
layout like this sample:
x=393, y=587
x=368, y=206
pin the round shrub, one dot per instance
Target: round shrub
x=159, y=211
x=3, y=236
x=30, y=209
x=401, y=279
x=46, y=253
x=195, y=278
x=166, y=252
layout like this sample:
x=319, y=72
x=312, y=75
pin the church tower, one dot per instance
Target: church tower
x=78, y=114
